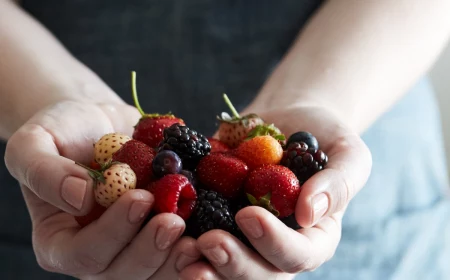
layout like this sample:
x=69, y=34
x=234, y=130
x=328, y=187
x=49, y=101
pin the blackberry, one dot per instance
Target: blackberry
x=212, y=211
x=291, y=222
x=305, y=137
x=303, y=161
x=187, y=143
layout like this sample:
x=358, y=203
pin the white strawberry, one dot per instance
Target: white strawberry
x=234, y=130
x=106, y=146
x=112, y=182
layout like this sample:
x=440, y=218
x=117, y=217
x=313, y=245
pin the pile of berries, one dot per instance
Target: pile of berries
x=205, y=180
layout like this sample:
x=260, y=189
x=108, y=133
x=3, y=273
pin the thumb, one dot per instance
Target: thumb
x=37, y=155
x=330, y=190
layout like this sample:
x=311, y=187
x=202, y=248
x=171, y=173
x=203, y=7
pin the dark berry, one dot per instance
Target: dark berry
x=212, y=211
x=305, y=137
x=304, y=162
x=291, y=222
x=189, y=145
x=166, y=162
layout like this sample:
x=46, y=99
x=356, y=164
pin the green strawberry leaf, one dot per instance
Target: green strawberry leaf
x=264, y=129
x=264, y=202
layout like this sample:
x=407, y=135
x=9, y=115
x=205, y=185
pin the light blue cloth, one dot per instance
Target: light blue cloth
x=398, y=226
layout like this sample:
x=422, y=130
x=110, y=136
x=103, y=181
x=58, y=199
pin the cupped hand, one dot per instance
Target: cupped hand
x=41, y=155
x=283, y=252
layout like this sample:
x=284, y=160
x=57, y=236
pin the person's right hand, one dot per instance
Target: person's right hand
x=41, y=155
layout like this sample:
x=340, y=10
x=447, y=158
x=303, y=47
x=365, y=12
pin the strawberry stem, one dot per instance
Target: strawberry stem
x=230, y=105
x=134, y=91
x=96, y=175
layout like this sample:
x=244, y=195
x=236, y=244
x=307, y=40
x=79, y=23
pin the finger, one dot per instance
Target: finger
x=330, y=190
x=148, y=250
x=182, y=255
x=199, y=270
x=124, y=117
x=348, y=167
x=289, y=250
x=37, y=153
x=90, y=250
x=32, y=157
x=232, y=259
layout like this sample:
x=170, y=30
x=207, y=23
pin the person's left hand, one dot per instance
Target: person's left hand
x=283, y=251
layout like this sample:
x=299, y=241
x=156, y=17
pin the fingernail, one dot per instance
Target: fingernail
x=138, y=210
x=252, y=227
x=166, y=237
x=184, y=260
x=73, y=191
x=320, y=207
x=217, y=255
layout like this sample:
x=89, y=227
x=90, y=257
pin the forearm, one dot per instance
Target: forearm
x=36, y=71
x=359, y=57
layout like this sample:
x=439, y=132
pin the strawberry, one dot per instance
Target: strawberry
x=106, y=146
x=139, y=157
x=233, y=130
x=217, y=146
x=173, y=194
x=150, y=127
x=222, y=173
x=111, y=182
x=95, y=165
x=95, y=213
x=260, y=150
x=275, y=188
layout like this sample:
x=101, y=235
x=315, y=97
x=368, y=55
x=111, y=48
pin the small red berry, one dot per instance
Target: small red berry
x=174, y=194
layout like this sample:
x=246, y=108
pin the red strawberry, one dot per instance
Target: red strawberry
x=95, y=165
x=222, y=173
x=95, y=213
x=233, y=130
x=217, y=146
x=139, y=157
x=275, y=188
x=150, y=127
x=174, y=194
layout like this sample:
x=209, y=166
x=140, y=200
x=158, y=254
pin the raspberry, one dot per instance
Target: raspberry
x=303, y=161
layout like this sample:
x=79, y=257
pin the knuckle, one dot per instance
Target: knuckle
x=276, y=251
x=239, y=274
x=88, y=263
x=119, y=238
x=12, y=152
x=44, y=264
x=32, y=176
x=151, y=264
x=294, y=266
x=237, y=271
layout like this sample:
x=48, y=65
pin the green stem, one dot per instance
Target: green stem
x=134, y=91
x=87, y=167
x=96, y=175
x=230, y=105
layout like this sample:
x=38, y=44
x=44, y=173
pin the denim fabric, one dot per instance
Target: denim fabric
x=186, y=54
x=398, y=226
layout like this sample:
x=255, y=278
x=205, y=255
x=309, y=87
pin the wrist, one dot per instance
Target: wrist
x=285, y=99
x=22, y=105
